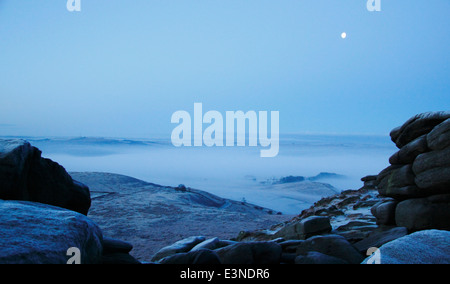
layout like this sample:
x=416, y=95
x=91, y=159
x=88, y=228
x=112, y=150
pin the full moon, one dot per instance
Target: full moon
x=344, y=35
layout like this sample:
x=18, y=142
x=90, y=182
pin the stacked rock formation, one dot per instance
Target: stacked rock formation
x=418, y=179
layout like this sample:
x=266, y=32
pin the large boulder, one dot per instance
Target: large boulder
x=431, y=160
x=432, y=171
x=379, y=238
x=399, y=182
x=331, y=245
x=423, y=247
x=417, y=126
x=305, y=228
x=36, y=233
x=384, y=211
x=25, y=175
x=432, y=212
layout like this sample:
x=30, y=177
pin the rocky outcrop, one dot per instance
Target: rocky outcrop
x=332, y=231
x=36, y=233
x=417, y=126
x=411, y=195
x=418, y=179
x=42, y=213
x=25, y=175
x=399, y=215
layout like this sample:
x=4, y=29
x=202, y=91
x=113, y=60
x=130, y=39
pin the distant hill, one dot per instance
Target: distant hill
x=325, y=175
x=292, y=179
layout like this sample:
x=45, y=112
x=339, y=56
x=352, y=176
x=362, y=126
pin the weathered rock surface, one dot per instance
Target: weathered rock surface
x=439, y=137
x=305, y=228
x=184, y=245
x=384, y=211
x=379, y=238
x=423, y=247
x=432, y=160
x=331, y=245
x=417, y=126
x=399, y=182
x=419, y=174
x=25, y=175
x=201, y=256
x=36, y=233
x=408, y=153
x=424, y=213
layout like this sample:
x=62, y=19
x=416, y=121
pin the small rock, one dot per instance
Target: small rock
x=357, y=225
x=385, y=212
x=369, y=178
x=181, y=187
x=184, y=245
x=119, y=258
x=111, y=245
x=211, y=244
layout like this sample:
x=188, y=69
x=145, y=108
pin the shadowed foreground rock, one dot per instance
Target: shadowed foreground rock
x=35, y=233
x=25, y=175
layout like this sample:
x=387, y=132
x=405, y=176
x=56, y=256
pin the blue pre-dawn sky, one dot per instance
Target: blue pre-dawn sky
x=120, y=68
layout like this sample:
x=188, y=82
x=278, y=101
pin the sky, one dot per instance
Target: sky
x=121, y=68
